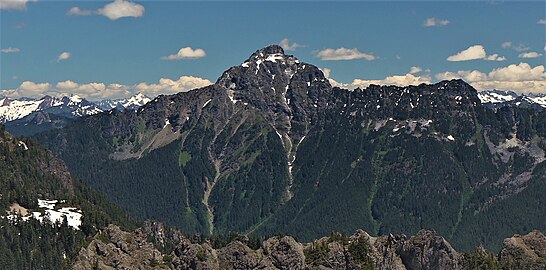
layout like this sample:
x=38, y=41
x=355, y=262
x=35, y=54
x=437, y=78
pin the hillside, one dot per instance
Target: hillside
x=273, y=147
x=47, y=215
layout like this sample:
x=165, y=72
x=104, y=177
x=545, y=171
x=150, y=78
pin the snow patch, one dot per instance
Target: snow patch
x=73, y=215
x=23, y=144
x=274, y=57
x=206, y=103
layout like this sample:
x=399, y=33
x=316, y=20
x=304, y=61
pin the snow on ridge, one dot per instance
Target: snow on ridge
x=494, y=97
x=274, y=57
x=17, y=109
x=48, y=213
x=11, y=110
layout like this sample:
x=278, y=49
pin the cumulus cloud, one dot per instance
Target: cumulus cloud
x=414, y=70
x=93, y=91
x=285, y=44
x=516, y=47
x=27, y=89
x=63, y=56
x=100, y=90
x=168, y=86
x=398, y=80
x=343, y=54
x=541, y=21
x=529, y=55
x=120, y=9
x=78, y=11
x=435, y=22
x=520, y=78
x=10, y=50
x=186, y=53
x=494, y=57
x=113, y=11
x=14, y=4
x=473, y=53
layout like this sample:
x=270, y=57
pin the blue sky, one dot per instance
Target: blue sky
x=383, y=41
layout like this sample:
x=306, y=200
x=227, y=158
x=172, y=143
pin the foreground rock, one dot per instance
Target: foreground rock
x=155, y=247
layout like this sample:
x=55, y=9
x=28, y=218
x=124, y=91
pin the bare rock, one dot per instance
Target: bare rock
x=524, y=251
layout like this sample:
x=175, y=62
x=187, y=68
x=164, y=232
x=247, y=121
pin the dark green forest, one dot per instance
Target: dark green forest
x=28, y=172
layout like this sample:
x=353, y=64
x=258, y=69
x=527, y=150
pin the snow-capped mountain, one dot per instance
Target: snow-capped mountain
x=496, y=96
x=498, y=99
x=75, y=106
x=131, y=103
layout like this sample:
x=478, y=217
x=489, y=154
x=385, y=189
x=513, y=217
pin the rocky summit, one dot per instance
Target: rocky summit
x=273, y=147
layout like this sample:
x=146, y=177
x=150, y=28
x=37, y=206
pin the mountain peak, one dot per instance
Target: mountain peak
x=268, y=50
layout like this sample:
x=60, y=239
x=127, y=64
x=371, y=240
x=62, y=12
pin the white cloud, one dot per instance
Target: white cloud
x=186, y=53
x=113, y=11
x=27, y=89
x=120, y=9
x=10, y=50
x=343, y=54
x=522, y=71
x=100, y=90
x=168, y=86
x=520, y=78
x=545, y=48
x=285, y=44
x=63, y=56
x=414, y=70
x=518, y=48
x=473, y=53
x=529, y=55
x=93, y=91
x=14, y=4
x=541, y=21
x=79, y=11
x=398, y=80
x=495, y=57
x=435, y=22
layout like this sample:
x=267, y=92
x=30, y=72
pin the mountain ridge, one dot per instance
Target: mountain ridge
x=272, y=146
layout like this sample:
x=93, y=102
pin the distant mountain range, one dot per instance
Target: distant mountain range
x=27, y=116
x=131, y=103
x=498, y=99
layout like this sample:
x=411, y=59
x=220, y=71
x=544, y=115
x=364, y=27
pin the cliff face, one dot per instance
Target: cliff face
x=155, y=247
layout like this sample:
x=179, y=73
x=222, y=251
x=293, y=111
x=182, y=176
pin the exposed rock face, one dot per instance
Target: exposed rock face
x=524, y=251
x=285, y=252
x=116, y=249
x=428, y=250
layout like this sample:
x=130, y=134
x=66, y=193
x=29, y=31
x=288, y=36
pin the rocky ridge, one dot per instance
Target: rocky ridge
x=144, y=248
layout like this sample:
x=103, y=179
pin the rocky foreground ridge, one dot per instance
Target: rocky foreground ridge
x=155, y=247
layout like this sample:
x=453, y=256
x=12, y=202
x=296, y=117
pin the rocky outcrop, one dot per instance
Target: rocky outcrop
x=147, y=248
x=428, y=250
x=113, y=248
x=524, y=251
